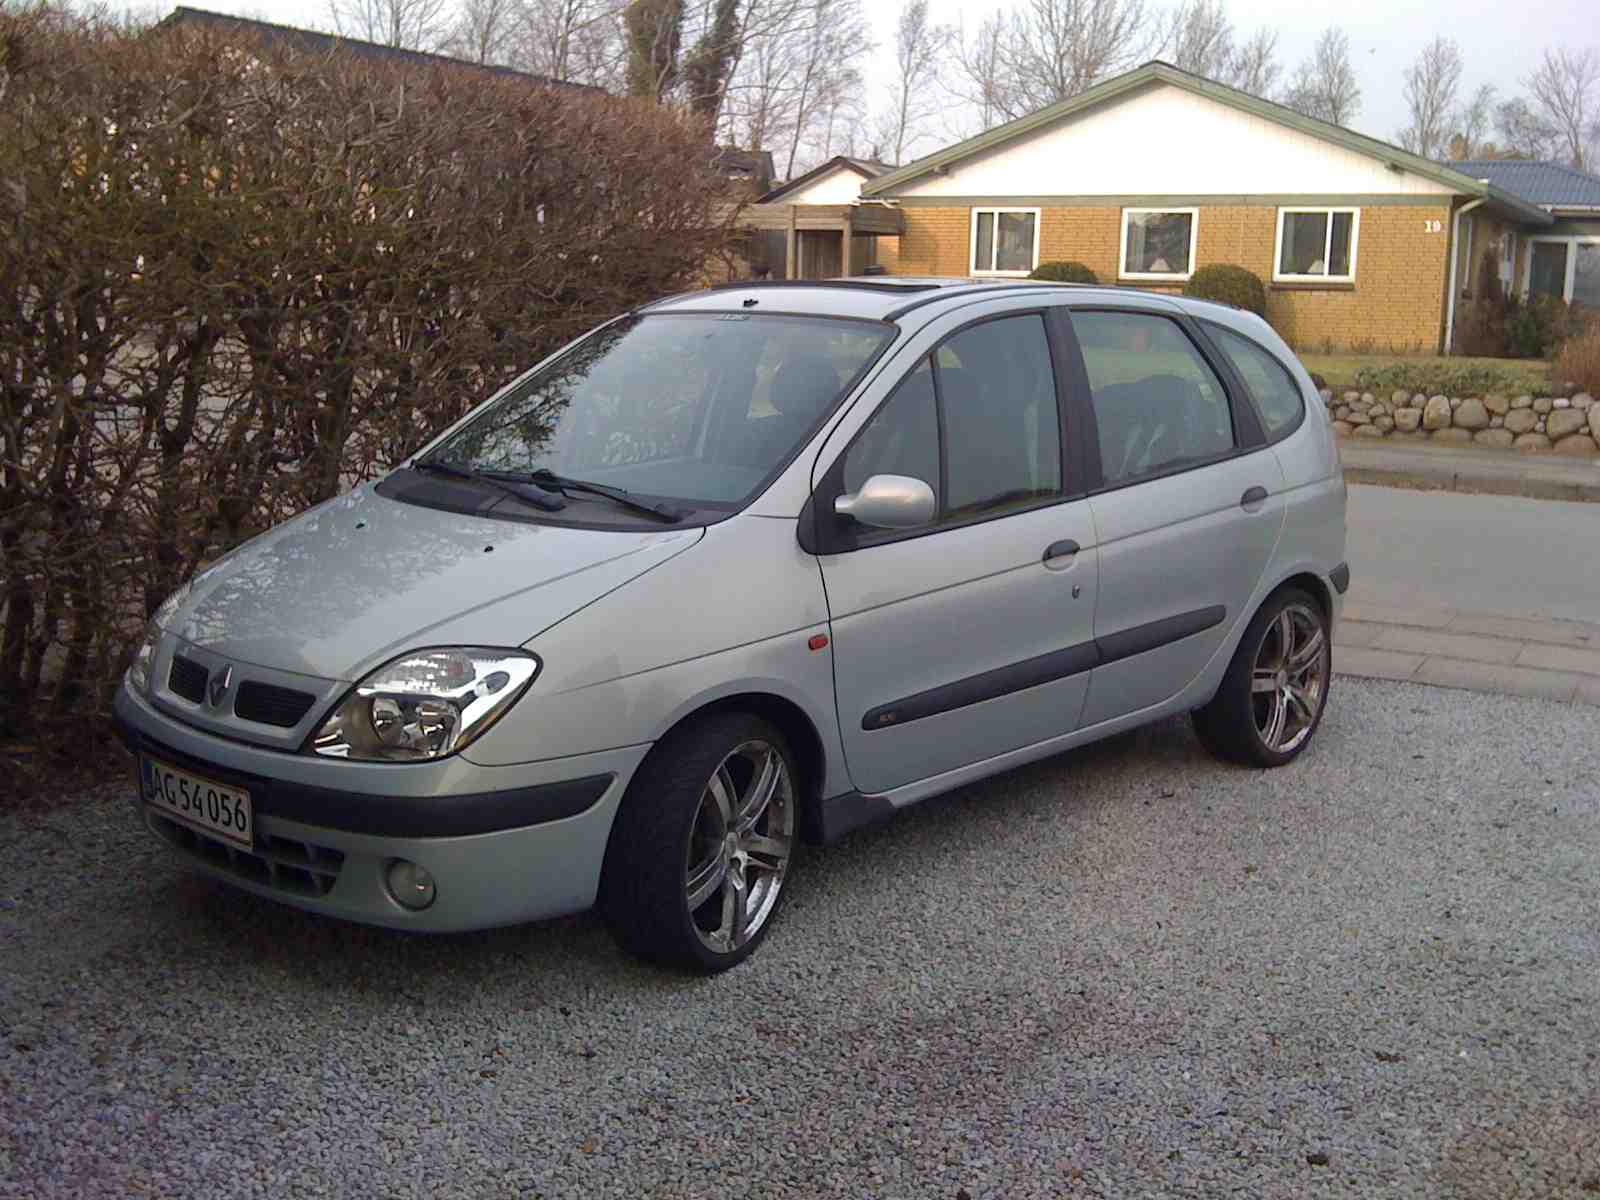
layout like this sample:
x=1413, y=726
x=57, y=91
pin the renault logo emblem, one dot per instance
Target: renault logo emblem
x=220, y=683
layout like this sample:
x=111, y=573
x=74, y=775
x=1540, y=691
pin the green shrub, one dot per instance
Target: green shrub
x=1229, y=284
x=1433, y=377
x=1065, y=272
x=1537, y=325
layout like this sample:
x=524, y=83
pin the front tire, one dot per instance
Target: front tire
x=1275, y=690
x=695, y=870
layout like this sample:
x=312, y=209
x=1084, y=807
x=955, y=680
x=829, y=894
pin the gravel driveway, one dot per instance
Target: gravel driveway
x=1127, y=971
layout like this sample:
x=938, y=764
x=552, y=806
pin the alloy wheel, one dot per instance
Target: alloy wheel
x=1289, y=679
x=740, y=846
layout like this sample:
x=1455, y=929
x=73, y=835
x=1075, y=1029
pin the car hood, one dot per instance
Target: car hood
x=343, y=588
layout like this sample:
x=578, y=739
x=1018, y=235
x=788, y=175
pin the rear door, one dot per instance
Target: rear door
x=972, y=635
x=1187, y=501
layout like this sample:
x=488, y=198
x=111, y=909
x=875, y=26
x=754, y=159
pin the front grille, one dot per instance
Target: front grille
x=188, y=679
x=271, y=705
x=286, y=865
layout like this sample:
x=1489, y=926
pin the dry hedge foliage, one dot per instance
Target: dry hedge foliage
x=234, y=280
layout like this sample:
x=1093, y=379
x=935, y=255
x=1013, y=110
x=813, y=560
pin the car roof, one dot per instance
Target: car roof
x=872, y=297
x=881, y=297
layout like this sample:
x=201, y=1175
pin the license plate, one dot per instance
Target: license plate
x=218, y=809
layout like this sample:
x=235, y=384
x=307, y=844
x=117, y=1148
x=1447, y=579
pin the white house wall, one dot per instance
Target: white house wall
x=1164, y=141
x=839, y=186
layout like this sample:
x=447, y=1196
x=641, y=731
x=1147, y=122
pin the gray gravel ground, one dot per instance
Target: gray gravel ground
x=1125, y=972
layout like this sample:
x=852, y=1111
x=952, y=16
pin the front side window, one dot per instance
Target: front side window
x=1158, y=243
x=1005, y=241
x=976, y=420
x=697, y=408
x=1317, y=244
x=1158, y=406
x=1277, y=395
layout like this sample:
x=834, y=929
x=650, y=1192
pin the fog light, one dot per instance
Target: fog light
x=410, y=885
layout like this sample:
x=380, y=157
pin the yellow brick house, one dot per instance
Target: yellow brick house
x=1152, y=174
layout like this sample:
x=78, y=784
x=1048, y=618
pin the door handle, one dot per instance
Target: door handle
x=1251, y=496
x=1055, y=551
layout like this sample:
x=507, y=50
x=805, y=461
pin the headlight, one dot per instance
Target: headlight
x=425, y=705
x=144, y=657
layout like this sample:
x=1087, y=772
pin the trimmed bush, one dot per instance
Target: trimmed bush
x=1065, y=272
x=239, y=279
x=1230, y=285
x=1432, y=377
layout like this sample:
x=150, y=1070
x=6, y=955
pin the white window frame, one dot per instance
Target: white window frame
x=994, y=246
x=1572, y=242
x=1163, y=276
x=1327, y=244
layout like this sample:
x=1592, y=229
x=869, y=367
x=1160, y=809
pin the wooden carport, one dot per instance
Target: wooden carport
x=848, y=221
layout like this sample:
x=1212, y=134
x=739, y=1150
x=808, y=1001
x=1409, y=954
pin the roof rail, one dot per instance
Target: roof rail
x=870, y=285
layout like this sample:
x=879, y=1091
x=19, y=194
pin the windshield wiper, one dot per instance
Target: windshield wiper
x=550, y=479
x=523, y=489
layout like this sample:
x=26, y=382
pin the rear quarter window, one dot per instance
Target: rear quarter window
x=1276, y=394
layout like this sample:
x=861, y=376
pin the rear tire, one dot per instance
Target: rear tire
x=1273, y=695
x=699, y=856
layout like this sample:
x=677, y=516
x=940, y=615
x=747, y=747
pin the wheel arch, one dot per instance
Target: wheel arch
x=798, y=729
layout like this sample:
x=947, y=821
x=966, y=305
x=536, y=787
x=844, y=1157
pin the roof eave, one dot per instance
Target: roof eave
x=1514, y=205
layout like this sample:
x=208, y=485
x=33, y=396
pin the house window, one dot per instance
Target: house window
x=1317, y=245
x=1158, y=243
x=1566, y=268
x=1005, y=241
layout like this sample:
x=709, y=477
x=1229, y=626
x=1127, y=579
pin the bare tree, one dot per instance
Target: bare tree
x=1523, y=132
x=919, y=45
x=1431, y=85
x=1566, y=91
x=835, y=35
x=1200, y=38
x=1472, y=124
x=978, y=74
x=407, y=24
x=1254, y=66
x=1044, y=51
x=1325, y=83
x=483, y=30
x=578, y=40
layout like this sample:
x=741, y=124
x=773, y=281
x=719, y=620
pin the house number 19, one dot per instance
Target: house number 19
x=1432, y=226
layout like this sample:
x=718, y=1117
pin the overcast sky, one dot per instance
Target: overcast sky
x=1500, y=42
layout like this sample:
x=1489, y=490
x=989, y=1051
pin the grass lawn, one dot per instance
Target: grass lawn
x=1531, y=375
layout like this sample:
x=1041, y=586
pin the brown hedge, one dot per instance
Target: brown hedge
x=234, y=281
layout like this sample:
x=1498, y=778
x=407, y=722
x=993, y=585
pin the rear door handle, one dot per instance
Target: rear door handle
x=1251, y=496
x=1056, y=552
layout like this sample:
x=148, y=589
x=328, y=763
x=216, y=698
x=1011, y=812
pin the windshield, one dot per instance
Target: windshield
x=694, y=407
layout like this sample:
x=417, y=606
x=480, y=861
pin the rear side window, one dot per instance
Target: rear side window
x=1274, y=390
x=1158, y=405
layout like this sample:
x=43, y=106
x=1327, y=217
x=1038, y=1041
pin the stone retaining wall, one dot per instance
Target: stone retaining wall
x=1556, y=425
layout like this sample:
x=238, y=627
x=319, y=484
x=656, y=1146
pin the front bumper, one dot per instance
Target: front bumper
x=504, y=844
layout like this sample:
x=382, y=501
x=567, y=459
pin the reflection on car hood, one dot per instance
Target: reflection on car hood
x=346, y=586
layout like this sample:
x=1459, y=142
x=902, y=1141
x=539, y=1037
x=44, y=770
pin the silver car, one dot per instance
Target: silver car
x=742, y=569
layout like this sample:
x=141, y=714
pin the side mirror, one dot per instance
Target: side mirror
x=889, y=502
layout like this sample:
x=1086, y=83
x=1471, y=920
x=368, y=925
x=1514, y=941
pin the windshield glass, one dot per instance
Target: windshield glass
x=695, y=407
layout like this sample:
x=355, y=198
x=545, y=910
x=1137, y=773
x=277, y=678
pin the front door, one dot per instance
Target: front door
x=972, y=635
x=1188, y=509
